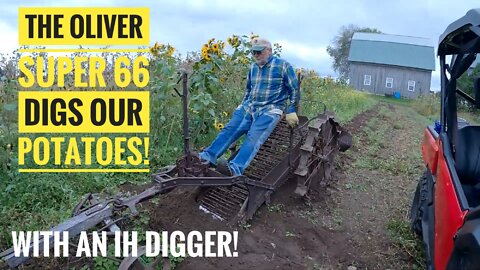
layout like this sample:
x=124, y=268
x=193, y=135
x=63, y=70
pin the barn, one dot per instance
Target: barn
x=391, y=64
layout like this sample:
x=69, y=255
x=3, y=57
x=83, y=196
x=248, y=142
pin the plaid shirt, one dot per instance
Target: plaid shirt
x=270, y=86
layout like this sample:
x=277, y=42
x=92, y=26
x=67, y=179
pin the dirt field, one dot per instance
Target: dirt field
x=359, y=222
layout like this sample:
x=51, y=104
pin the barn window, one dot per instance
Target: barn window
x=389, y=82
x=367, y=80
x=411, y=86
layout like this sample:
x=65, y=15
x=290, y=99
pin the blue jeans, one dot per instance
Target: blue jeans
x=257, y=127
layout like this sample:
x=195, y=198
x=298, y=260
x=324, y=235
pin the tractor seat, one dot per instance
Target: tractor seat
x=467, y=162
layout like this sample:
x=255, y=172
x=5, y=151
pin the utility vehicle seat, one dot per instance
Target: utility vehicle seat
x=467, y=162
x=467, y=155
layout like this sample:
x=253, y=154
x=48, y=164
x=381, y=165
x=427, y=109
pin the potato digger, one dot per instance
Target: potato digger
x=304, y=154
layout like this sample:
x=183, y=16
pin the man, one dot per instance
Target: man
x=270, y=82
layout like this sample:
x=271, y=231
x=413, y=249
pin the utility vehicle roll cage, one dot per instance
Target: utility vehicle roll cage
x=461, y=40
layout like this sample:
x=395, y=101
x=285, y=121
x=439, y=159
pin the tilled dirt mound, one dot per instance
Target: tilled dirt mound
x=284, y=235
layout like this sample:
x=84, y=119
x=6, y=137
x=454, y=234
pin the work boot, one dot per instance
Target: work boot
x=223, y=167
x=201, y=160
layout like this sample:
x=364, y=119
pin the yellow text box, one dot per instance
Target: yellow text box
x=83, y=26
x=84, y=112
x=83, y=151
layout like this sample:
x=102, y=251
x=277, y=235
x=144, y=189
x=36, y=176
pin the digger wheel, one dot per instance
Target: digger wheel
x=317, y=155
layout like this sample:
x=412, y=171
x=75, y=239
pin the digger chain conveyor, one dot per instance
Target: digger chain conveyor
x=229, y=203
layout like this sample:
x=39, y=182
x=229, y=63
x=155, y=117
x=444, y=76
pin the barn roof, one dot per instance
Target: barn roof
x=404, y=51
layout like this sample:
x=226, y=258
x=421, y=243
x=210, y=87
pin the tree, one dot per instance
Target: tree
x=340, y=47
x=465, y=82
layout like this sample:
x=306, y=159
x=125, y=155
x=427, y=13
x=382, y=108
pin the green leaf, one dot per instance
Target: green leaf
x=196, y=107
x=9, y=187
x=10, y=106
x=196, y=78
x=235, y=55
x=214, y=79
x=211, y=112
x=208, y=66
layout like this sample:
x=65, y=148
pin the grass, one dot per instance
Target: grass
x=277, y=208
x=472, y=117
x=429, y=106
x=391, y=100
x=345, y=102
x=39, y=201
x=387, y=165
x=373, y=139
x=377, y=134
x=404, y=239
x=310, y=214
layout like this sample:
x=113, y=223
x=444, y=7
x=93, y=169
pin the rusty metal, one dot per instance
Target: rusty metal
x=318, y=152
x=186, y=134
x=191, y=165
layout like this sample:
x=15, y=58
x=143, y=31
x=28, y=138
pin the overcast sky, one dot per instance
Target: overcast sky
x=303, y=28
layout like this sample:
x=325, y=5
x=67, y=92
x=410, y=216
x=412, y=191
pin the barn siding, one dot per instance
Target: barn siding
x=400, y=76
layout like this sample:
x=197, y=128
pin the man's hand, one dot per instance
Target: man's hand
x=292, y=119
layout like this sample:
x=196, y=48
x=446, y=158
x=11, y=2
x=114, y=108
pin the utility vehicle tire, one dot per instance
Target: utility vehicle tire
x=419, y=204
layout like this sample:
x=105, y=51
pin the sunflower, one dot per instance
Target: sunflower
x=170, y=50
x=218, y=126
x=205, y=47
x=155, y=49
x=204, y=51
x=215, y=48
x=207, y=57
x=233, y=41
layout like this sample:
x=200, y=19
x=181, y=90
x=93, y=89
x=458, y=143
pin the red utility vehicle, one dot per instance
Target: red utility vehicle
x=446, y=207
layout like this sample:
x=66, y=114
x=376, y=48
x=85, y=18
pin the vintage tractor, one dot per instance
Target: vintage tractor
x=445, y=211
x=304, y=154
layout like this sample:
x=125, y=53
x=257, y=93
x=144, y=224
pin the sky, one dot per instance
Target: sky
x=304, y=28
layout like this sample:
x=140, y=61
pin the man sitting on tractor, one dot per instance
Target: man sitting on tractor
x=270, y=82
